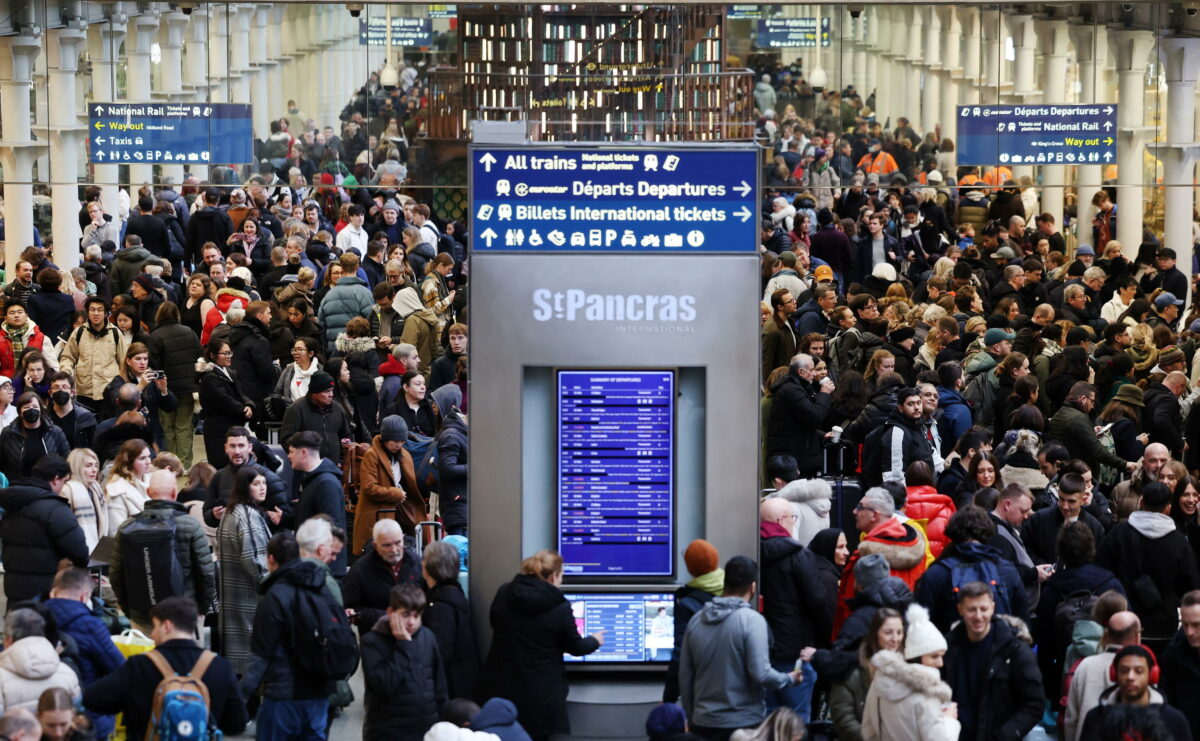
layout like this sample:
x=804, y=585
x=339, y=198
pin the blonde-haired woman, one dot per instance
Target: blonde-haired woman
x=86, y=496
x=532, y=625
x=126, y=484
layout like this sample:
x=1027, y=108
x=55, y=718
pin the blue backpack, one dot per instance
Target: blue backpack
x=964, y=572
x=180, y=709
x=424, y=452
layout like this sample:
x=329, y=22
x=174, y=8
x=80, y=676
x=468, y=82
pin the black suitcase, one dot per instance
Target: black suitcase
x=838, y=463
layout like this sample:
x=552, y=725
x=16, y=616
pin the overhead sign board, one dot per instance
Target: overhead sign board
x=443, y=11
x=195, y=133
x=743, y=12
x=616, y=472
x=633, y=199
x=405, y=31
x=776, y=33
x=1037, y=134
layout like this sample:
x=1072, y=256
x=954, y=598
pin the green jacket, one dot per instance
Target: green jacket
x=1074, y=429
x=846, y=701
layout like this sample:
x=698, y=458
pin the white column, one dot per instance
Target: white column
x=1091, y=51
x=993, y=60
x=275, y=53
x=951, y=72
x=871, y=20
x=171, y=29
x=1025, y=41
x=931, y=101
x=971, y=67
x=17, y=148
x=898, y=41
x=218, y=53
x=195, y=70
x=66, y=137
x=1181, y=62
x=859, y=44
x=912, y=75
x=137, y=82
x=1056, y=46
x=261, y=78
x=240, y=21
x=104, y=47
x=1131, y=48
x=881, y=28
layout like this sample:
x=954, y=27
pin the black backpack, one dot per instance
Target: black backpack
x=150, y=562
x=323, y=642
x=1075, y=606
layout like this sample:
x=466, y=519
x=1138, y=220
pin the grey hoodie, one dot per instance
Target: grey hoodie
x=725, y=666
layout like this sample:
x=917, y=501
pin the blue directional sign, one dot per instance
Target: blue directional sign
x=1037, y=134
x=560, y=199
x=775, y=33
x=743, y=12
x=405, y=31
x=195, y=133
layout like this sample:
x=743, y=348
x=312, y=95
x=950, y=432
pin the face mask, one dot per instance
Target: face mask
x=31, y=416
x=61, y=397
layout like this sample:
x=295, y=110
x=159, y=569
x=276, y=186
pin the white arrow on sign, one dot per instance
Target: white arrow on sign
x=487, y=160
x=99, y=110
x=745, y=213
x=99, y=140
x=489, y=235
x=100, y=155
x=1108, y=156
x=1108, y=125
x=744, y=189
x=1108, y=110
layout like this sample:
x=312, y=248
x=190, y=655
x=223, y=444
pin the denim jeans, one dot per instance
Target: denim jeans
x=292, y=720
x=798, y=697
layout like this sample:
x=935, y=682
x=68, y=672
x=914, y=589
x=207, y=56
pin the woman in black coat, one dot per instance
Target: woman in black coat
x=221, y=400
x=830, y=545
x=358, y=349
x=449, y=618
x=532, y=626
x=413, y=406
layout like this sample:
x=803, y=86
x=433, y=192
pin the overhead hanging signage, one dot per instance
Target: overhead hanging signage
x=443, y=11
x=616, y=472
x=743, y=12
x=405, y=31
x=634, y=199
x=776, y=33
x=1037, y=134
x=194, y=133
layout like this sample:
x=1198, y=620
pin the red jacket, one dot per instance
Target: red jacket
x=900, y=544
x=933, y=510
x=35, y=340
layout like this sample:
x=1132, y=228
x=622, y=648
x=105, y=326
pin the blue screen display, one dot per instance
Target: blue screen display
x=638, y=628
x=616, y=472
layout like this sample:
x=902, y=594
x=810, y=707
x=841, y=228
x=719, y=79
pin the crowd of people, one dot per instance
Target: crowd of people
x=980, y=515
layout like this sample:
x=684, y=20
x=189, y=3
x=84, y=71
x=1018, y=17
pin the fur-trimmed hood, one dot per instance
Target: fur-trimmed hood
x=807, y=491
x=896, y=679
x=226, y=297
x=346, y=344
x=901, y=544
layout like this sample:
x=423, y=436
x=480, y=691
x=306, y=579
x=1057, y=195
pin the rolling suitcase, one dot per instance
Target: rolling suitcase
x=838, y=469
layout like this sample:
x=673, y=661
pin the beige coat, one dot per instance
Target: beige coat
x=28, y=668
x=905, y=702
x=93, y=359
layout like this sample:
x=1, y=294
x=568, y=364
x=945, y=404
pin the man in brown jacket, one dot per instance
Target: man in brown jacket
x=387, y=484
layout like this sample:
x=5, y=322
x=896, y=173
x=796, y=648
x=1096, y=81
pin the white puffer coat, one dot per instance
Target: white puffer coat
x=905, y=702
x=28, y=668
x=811, y=499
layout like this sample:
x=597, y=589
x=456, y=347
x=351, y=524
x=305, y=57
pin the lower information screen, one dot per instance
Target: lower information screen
x=638, y=627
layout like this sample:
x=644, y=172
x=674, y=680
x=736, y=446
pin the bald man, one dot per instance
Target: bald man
x=797, y=611
x=192, y=558
x=1091, y=674
x=1162, y=418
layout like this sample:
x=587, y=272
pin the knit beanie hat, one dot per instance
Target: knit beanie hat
x=665, y=719
x=870, y=572
x=701, y=557
x=320, y=383
x=393, y=429
x=922, y=636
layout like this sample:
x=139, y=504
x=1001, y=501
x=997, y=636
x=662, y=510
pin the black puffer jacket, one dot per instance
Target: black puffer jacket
x=222, y=403
x=532, y=628
x=363, y=362
x=369, y=584
x=252, y=358
x=878, y=409
x=797, y=409
x=1010, y=701
x=330, y=422
x=1163, y=419
x=448, y=617
x=453, y=445
x=271, y=666
x=837, y=662
x=175, y=349
x=38, y=530
x=891, y=448
x=12, y=444
x=791, y=597
x=405, y=684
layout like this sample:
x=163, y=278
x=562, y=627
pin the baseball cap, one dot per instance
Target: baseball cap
x=995, y=335
x=1085, y=249
x=1165, y=299
x=823, y=273
x=1004, y=253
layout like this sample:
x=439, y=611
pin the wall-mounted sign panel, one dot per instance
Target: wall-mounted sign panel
x=1037, y=134
x=405, y=31
x=197, y=133
x=616, y=472
x=637, y=200
x=443, y=11
x=776, y=33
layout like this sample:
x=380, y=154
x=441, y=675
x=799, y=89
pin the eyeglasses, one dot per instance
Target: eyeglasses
x=226, y=354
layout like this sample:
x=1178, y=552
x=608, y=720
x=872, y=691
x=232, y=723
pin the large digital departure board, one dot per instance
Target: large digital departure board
x=616, y=472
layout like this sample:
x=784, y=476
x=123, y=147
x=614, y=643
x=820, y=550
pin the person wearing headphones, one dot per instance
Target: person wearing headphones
x=1134, y=672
